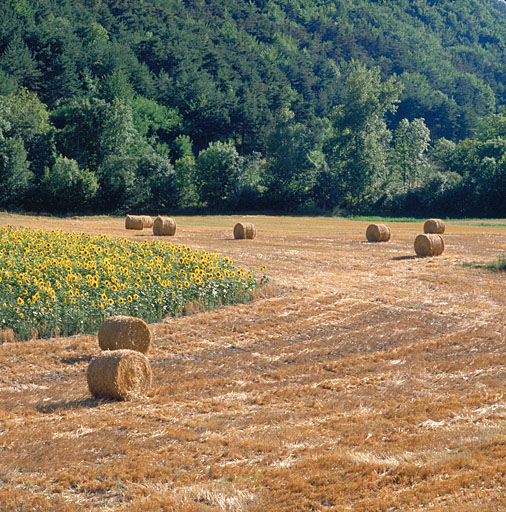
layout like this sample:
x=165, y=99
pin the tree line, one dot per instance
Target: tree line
x=110, y=106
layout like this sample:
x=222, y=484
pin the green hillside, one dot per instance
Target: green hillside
x=160, y=104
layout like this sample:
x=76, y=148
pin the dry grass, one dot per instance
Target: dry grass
x=371, y=380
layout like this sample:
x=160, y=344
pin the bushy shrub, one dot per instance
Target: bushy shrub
x=217, y=174
x=65, y=187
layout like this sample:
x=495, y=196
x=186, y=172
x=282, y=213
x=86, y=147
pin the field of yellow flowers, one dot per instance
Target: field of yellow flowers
x=54, y=282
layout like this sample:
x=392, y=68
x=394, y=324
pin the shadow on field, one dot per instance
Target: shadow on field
x=75, y=360
x=87, y=403
x=402, y=258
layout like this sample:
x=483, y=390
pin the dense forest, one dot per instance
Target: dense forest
x=234, y=105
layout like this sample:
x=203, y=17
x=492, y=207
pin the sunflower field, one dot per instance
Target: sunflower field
x=54, y=282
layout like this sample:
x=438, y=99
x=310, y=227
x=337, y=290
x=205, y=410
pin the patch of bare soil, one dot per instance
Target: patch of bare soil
x=369, y=380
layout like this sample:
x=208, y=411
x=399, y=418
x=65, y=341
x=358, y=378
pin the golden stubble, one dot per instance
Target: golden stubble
x=364, y=378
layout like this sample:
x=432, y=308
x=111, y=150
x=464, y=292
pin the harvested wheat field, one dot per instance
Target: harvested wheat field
x=364, y=378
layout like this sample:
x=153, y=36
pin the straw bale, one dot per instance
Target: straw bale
x=434, y=226
x=147, y=221
x=429, y=245
x=164, y=226
x=378, y=233
x=119, y=332
x=7, y=335
x=245, y=230
x=134, y=222
x=121, y=374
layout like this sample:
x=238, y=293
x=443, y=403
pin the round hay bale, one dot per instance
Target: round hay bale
x=147, y=221
x=164, y=226
x=434, y=226
x=429, y=245
x=121, y=374
x=378, y=233
x=134, y=222
x=119, y=332
x=245, y=230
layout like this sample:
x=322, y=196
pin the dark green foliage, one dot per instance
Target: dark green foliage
x=217, y=175
x=117, y=86
x=357, y=142
x=143, y=96
x=28, y=119
x=159, y=125
x=117, y=179
x=251, y=194
x=17, y=62
x=79, y=126
x=158, y=178
x=471, y=176
x=67, y=188
x=185, y=179
x=92, y=129
x=409, y=153
x=24, y=125
x=15, y=174
x=289, y=172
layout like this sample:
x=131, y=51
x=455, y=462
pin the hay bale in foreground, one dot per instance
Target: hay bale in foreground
x=429, y=245
x=245, y=230
x=147, y=221
x=378, y=233
x=164, y=226
x=119, y=332
x=121, y=374
x=434, y=226
x=134, y=222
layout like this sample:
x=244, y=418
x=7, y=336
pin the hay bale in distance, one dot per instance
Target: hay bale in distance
x=147, y=221
x=434, y=226
x=378, y=233
x=121, y=374
x=124, y=332
x=134, y=222
x=164, y=226
x=429, y=245
x=245, y=230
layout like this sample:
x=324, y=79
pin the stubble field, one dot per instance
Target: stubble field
x=364, y=379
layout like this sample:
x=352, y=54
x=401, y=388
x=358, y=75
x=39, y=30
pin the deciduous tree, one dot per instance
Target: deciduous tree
x=356, y=144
